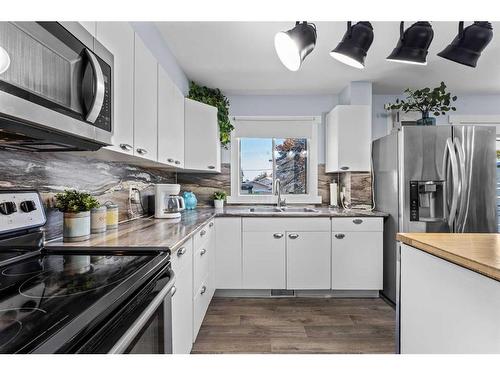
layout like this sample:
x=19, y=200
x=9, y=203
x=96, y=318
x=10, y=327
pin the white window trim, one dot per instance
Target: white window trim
x=312, y=167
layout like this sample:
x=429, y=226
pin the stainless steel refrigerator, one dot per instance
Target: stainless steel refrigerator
x=434, y=179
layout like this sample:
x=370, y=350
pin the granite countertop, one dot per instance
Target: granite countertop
x=150, y=233
x=478, y=252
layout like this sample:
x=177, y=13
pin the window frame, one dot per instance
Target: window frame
x=312, y=196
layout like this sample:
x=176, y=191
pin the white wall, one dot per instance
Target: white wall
x=465, y=104
x=283, y=105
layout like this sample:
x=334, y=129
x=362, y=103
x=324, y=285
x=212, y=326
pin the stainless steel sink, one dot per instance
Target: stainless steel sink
x=264, y=209
x=283, y=210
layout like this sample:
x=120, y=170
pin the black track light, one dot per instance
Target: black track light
x=413, y=44
x=354, y=46
x=294, y=45
x=467, y=46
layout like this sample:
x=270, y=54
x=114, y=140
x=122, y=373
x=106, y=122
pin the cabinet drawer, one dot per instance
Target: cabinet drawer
x=269, y=224
x=200, y=305
x=201, y=259
x=357, y=224
x=183, y=256
x=202, y=237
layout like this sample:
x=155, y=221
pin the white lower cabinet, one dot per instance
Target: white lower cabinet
x=228, y=254
x=182, y=300
x=264, y=260
x=308, y=260
x=201, y=300
x=357, y=260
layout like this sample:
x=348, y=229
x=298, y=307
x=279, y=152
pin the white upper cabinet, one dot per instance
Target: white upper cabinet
x=118, y=37
x=170, y=121
x=202, y=146
x=348, y=138
x=145, y=102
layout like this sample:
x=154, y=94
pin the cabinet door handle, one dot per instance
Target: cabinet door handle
x=142, y=151
x=177, y=162
x=203, y=251
x=278, y=235
x=126, y=147
x=174, y=290
x=203, y=232
x=357, y=221
x=170, y=160
x=211, y=167
x=203, y=289
x=181, y=251
x=293, y=236
x=211, y=224
x=344, y=168
x=339, y=236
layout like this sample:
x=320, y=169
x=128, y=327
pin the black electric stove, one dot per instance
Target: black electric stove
x=53, y=302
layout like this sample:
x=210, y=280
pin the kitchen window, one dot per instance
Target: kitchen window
x=266, y=149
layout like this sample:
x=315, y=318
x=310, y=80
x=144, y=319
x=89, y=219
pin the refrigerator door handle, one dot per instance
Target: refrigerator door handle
x=451, y=158
x=462, y=194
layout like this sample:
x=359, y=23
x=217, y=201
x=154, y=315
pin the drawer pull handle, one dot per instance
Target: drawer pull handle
x=293, y=236
x=344, y=168
x=142, y=151
x=181, y=251
x=339, y=236
x=203, y=289
x=357, y=221
x=177, y=162
x=203, y=251
x=174, y=290
x=211, y=167
x=126, y=147
x=278, y=235
x=203, y=232
x=211, y=224
x=170, y=160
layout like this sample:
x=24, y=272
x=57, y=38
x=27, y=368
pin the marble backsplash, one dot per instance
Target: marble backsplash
x=50, y=173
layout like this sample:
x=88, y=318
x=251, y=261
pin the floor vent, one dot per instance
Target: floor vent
x=282, y=293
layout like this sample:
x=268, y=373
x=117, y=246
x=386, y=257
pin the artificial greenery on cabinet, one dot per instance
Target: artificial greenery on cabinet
x=216, y=98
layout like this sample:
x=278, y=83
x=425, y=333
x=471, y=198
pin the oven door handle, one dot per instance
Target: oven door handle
x=128, y=337
x=99, y=89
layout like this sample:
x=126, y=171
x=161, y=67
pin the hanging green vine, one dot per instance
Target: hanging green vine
x=217, y=99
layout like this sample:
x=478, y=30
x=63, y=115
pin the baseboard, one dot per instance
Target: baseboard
x=266, y=293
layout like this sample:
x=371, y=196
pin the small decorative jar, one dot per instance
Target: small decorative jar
x=190, y=200
x=98, y=219
x=111, y=215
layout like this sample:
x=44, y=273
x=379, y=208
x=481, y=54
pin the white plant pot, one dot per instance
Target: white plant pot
x=219, y=203
x=76, y=226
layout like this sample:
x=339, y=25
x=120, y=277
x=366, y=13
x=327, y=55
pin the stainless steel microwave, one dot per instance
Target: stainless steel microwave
x=56, y=94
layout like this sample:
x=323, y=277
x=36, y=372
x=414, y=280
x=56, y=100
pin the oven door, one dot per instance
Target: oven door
x=54, y=69
x=143, y=325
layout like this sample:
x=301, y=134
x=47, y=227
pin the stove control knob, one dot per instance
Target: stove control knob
x=7, y=208
x=28, y=206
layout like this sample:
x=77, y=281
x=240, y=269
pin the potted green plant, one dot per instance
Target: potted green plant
x=219, y=198
x=216, y=98
x=75, y=206
x=436, y=101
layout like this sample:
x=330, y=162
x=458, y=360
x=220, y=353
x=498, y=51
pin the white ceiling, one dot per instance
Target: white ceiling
x=239, y=58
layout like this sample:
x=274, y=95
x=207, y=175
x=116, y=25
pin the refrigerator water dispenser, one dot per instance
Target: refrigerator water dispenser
x=427, y=201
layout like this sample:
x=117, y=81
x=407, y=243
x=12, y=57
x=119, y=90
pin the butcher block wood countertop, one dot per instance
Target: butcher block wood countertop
x=479, y=252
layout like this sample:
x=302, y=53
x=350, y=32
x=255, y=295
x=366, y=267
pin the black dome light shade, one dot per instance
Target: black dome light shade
x=294, y=45
x=467, y=46
x=413, y=44
x=354, y=46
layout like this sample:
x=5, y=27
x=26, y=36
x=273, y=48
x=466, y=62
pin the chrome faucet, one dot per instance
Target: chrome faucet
x=277, y=189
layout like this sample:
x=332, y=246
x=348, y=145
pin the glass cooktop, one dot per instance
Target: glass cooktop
x=42, y=294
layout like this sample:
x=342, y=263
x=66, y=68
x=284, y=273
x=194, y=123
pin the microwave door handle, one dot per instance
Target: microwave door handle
x=454, y=180
x=98, y=99
x=463, y=196
x=128, y=337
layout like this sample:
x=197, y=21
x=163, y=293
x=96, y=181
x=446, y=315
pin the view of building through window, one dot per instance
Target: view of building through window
x=262, y=160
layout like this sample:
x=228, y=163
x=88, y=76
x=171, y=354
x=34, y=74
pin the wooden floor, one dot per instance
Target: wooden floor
x=297, y=325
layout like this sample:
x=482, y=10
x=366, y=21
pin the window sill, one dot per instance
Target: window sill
x=272, y=199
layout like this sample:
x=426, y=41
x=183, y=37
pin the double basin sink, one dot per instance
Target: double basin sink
x=282, y=210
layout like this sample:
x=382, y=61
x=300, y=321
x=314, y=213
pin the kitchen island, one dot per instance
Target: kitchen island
x=449, y=293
